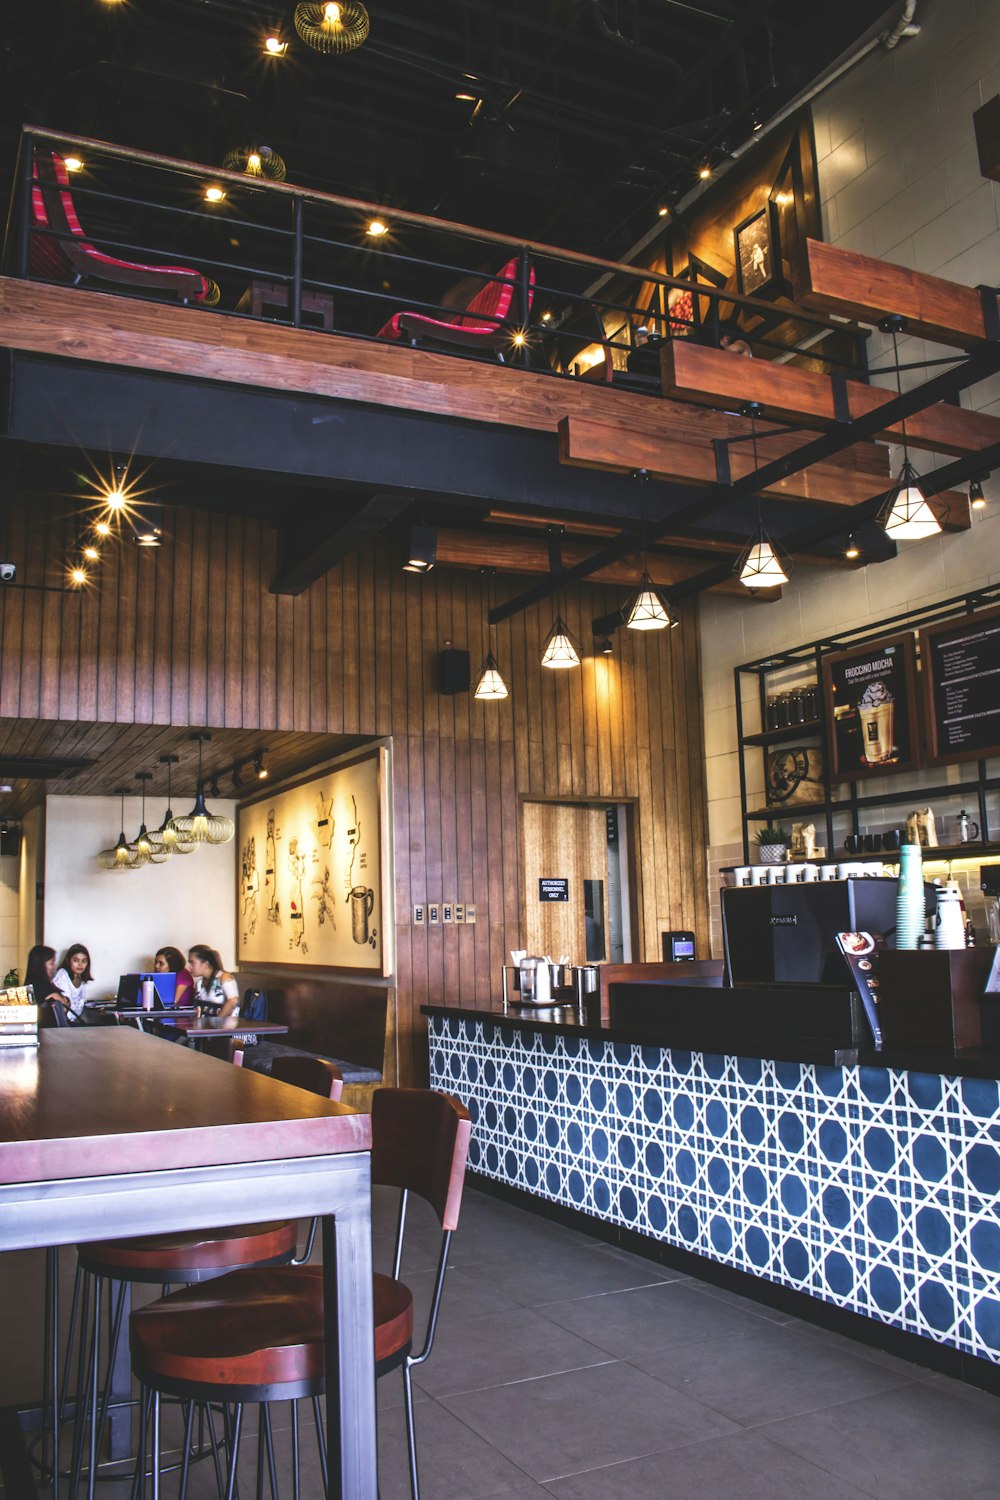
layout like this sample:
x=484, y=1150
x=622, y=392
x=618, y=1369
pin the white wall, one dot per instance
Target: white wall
x=123, y=917
x=899, y=179
x=31, y=872
x=10, y=877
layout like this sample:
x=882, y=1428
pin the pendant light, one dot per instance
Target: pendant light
x=559, y=650
x=200, y=825
x=761, y=565
x=907, y=515
x=491, y=686
x=649, y=609
x=168, y=834
x=122, y=856
x=149, y=849
x=329, y=26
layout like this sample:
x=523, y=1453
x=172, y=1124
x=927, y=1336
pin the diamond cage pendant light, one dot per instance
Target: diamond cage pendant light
x=759, y=565
x=491, y=685
x=560, y=649
x=200, y=825
x=122, y=855
x=907, y=515
x=649, y=610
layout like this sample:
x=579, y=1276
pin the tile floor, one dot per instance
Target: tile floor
x=567, y=1368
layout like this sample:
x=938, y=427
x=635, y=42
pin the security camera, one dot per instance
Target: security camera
x=8, y=572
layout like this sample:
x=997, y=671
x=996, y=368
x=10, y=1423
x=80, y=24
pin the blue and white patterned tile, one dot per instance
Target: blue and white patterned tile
x=873, y=1190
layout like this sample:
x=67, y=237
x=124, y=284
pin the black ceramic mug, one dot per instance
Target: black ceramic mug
x=872, y=843
x=893, y=838
x=854, y=843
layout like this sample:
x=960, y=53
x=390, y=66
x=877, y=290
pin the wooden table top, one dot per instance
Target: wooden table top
x=99, y=1101
x=220, y=1025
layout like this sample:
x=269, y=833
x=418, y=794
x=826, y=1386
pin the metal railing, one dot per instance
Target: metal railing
x=314, y=255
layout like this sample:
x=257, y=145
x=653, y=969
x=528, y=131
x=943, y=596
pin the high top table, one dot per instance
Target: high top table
x=108, y=1133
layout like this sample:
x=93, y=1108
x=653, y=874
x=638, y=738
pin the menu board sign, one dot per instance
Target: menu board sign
x=961, y=671
x=870, y=697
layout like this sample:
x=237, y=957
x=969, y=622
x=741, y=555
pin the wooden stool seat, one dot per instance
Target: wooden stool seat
x=166, y=1257
x=259, y=1328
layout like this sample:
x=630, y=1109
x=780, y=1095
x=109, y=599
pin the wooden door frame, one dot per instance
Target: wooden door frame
x=631, y=806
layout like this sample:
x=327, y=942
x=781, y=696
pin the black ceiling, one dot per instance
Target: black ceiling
x=586, y=113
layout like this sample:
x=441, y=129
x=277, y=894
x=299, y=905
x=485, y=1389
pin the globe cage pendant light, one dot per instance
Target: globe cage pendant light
x=330, y=27
x=199, y=824
x=761, y=564
x=907, y=514
x=168, y=834
x=491, y=686
x=122, y=855
x=256, y=161
x=149, y=849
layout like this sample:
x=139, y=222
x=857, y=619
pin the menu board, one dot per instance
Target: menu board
x=871, y=713
x=961, y=671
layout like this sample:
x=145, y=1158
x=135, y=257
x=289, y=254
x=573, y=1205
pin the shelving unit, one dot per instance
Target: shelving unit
x=871, y=792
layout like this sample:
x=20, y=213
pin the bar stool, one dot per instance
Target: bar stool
x=257, y=1335
x=192, y=1257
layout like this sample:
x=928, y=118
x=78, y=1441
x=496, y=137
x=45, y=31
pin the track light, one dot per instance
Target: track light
x=977, y=499
x=147, y=526
x=259, y=767
x=852, y=550
x=606, y=648
x=422, y=551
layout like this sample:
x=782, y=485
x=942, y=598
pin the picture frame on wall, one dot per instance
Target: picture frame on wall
x=960, y=671
x=870, y=699
x=757, y=249
x=315, y=871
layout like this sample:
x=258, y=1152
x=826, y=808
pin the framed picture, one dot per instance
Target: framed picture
x=315, y=869
x=871, y=714
x=960, y=667
x=757, y=247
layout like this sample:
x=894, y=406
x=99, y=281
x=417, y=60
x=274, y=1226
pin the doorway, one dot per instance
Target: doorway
x=578, y=900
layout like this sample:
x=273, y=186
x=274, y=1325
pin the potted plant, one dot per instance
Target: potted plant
x=772, y=844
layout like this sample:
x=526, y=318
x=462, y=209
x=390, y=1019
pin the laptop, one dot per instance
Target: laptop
x=130, y=989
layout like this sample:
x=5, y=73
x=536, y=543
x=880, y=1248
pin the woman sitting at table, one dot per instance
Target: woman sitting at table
x=215, y=991
x=171, y=961
x=39, y=972
x=72, y=977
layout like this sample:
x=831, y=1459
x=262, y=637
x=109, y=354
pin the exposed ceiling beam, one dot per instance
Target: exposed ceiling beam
x=307, y=549
x=980, y=364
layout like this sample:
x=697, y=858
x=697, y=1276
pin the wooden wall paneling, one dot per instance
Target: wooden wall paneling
x=253, y=584
x=161, y=623
x=126, y=639
x=268, y=635
x=347, y=647
x=197, y=603
x=317, y=601
x=577, y=731
x=284, y=619
x=173, y=653
x=301, y=663
x=12, y=662
x=235, y=626
x=222, y=601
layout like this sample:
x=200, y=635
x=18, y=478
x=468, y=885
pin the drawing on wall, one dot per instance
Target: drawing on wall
x=249, y=888
x=321, y=852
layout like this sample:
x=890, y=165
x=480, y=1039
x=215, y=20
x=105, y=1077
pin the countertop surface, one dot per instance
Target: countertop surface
x=681, y=1026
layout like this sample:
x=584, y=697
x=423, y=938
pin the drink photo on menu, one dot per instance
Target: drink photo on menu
x=870, y=698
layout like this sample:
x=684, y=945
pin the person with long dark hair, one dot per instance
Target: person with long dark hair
x=215, y=991
x=72, y=977
x=39, y=973
x=171, y=961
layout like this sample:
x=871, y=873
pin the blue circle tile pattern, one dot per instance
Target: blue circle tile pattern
x=876, y=1191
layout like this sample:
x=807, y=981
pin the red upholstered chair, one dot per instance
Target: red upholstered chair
x=484, y=322
x=314, y=1074
x=258, y=1335
x=65, y=253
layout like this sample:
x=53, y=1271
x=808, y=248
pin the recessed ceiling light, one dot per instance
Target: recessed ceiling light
x=466, y=98
x=91, y=554
x=78, y=577
x=214, y=194
x=73, y=163
x=274, y=46
x=704, y=171
x=103, y=528
x=377, y=228
x=663, y=210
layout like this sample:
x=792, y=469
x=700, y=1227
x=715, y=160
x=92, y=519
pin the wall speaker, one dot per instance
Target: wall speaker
x=454, y=671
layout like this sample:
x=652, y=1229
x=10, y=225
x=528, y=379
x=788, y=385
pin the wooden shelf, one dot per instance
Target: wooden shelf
x=784, y=735
x=973, y=850
x=764, y=813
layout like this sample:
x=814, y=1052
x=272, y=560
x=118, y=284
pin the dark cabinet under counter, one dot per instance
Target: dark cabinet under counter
x=813, y=1023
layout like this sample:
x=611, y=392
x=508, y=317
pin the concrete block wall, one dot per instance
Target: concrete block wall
x=899, y=178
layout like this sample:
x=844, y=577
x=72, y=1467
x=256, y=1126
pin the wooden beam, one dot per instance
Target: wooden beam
x=307, y=550
x=711, y=376
x=71, y=324
x=510, y=554
x=858, y=286
x=594, y=445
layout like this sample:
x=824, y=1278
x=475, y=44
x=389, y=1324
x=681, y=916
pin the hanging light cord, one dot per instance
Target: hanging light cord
x=899, y=392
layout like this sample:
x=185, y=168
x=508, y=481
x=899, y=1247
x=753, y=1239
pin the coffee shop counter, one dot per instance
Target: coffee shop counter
x=859, y=1188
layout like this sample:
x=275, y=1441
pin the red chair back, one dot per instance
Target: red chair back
x=492, y=303
x=314, y=1074
x=420, y=1142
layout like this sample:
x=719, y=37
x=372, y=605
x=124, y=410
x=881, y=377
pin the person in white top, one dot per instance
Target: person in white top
x=73, y=976
x=215, y=991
